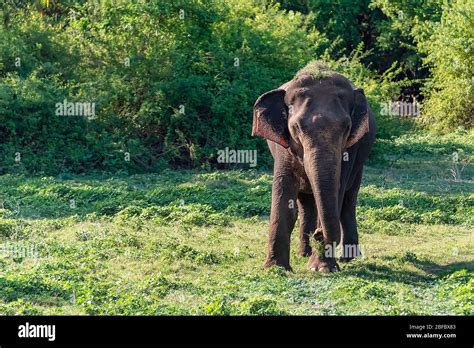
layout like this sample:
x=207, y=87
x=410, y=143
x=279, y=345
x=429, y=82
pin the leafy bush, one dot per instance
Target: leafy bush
x=449, y=52
x=174, y=82
x=167, y=89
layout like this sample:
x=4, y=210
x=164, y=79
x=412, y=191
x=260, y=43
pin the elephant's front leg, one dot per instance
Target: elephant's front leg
x=282, y=218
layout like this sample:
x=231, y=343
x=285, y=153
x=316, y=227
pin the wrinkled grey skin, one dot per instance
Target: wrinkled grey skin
x=309, y=123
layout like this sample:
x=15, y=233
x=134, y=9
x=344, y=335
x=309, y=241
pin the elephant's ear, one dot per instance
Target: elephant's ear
x=360, y=118
x=270, y=117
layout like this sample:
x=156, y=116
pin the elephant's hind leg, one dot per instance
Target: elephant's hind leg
x=308, y=219
x=350, y=238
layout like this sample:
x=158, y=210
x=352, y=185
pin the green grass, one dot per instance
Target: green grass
x=183, y=242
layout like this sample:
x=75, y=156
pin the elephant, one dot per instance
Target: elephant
x=320, y=131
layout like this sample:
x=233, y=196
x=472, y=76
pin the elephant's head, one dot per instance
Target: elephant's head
x=316, y=116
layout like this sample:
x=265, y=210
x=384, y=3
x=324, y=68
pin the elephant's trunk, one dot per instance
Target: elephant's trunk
x=323, y=169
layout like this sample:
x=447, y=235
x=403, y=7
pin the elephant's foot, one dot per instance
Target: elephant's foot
x=323, y=264
x=305, y=250
x=273, y=262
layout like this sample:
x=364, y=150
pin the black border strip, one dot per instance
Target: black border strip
x=289, y=331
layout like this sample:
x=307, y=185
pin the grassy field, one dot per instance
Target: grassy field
x=194, y=243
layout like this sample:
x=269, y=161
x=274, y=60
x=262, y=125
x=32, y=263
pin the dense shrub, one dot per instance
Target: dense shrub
x=174, y=82
x=169, y=86
x=450, y=52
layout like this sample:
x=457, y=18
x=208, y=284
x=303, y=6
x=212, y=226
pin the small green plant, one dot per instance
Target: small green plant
x=316, y=69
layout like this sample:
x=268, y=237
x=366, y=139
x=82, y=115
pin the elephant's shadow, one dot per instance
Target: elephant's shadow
x=431, y=271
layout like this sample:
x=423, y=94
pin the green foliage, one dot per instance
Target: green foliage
x=459, y=287
x=403, y=25
x=167, y=89
x=252, y=306
x=191, y=214
x=450, y=52
x=346, y=23
x=174, y=82
x=316, y=69
x=435, y=48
